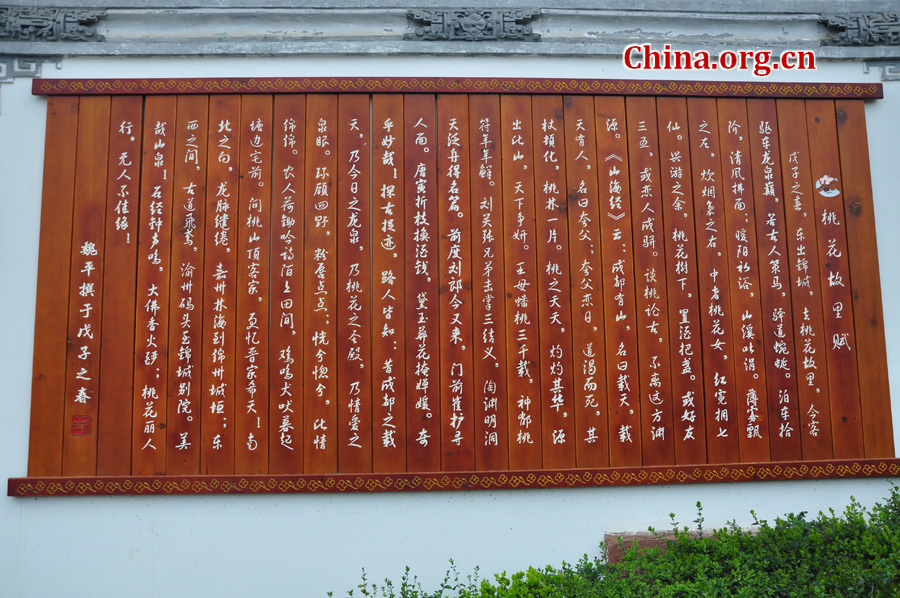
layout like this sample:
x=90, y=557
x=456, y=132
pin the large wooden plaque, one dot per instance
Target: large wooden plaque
x=302, y=285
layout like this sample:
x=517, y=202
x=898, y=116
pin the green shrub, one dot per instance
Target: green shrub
x=853, y=555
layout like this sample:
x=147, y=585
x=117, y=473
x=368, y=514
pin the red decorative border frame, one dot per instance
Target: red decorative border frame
x=492, y=480
x=456, y=85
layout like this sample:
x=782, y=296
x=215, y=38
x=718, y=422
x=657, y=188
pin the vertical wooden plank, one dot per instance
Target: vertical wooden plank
x=319, y=287
x=354, y=286
x=286, y=290
x=151, y=342
x=48, y=382
x=619, y=311
x=554, y=305
x=455, y=280
x=774, y=278
x=388, y=287
x=251, y=392
x=488, y=286
x=86, y=289
x=681, y=281
x=520, y=267
x=220, y=286
x=865, y=280
x=809, y=332
x=423, y=451
x=186, y=286
x=743, y=276
x=720, y=394
x=831, y=240
x=657, y=439
x=588, y=340
x=119, y=277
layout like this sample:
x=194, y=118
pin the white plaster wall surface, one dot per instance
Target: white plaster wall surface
x=305, y=545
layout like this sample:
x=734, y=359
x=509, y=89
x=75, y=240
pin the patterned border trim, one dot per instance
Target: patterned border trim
x=456, y=85
x=405, y=482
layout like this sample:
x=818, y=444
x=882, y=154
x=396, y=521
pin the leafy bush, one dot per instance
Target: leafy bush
x=853, y=555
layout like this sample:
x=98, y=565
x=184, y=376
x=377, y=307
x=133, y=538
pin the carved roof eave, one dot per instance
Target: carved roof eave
x=405, y=48
x=370, y=30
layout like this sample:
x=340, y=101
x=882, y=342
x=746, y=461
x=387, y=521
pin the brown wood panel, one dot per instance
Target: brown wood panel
x=354, y=286
x=743, y=277
x=286, y=290
x=721, y=399
x=388, y=285
x=809, y=332
x=251, y=392
x=831, y=241
x=319, y=287
x=619, y=309
x=653, y=315
x=488, y=286
x=494, y=481
x=681, y=281
x=520, y=268
x=48, y=381
x=79, y=455
x=454, y=262
x=553, y=287
x=119, y=277
x=865, y=280
x=220, y=286
x=332, y=84
x=774, y=279
x=186, y=286
x=588, y=340
x=151, y=336
x=729, y=241
x=423, y=440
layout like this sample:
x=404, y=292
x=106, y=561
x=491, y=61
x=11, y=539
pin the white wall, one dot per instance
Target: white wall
x=305, y=545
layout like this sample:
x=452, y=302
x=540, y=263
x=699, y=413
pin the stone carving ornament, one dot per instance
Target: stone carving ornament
x=473, y=24
x=872, y=29
x=27, y=24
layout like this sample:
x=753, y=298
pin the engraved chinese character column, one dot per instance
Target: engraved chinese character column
x=554, y=308
x=319, y=287
x=286, y=290
x=831, y=243
x=809, y=327
x=650, y=269
x=743, y=269
x=422, y=371
x=868, y=312
x=79, y=456
x=186, y=286
x=712, y=274
x=119, y=278
x=220, y=286
x=488, y=287
x=388, y=272
x=619, y=309
x=774, y=278
x=354, y=286
x=154, y=258
x=523, y=372
x=588, y=340
x=455, y=276
x=251, y=454
x=48, y=378
x=681, y=281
